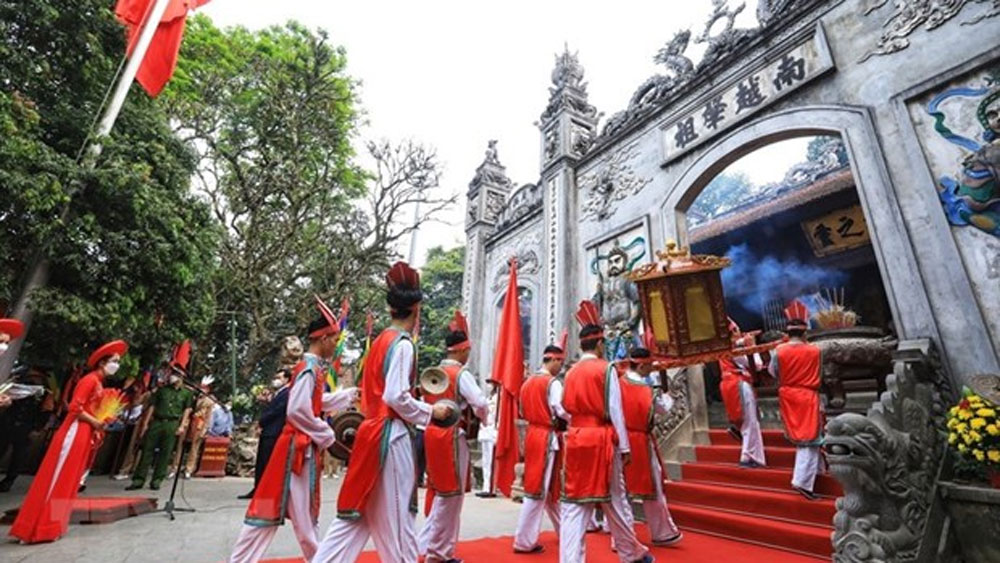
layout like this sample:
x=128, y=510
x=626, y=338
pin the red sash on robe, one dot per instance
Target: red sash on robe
x=441, y=447
x=637, y=404
x=269, y=506
x=44, y=515
x=798, y=395
x=371, y=443
x=729, y=388
x=535, y=410
x=590, y=440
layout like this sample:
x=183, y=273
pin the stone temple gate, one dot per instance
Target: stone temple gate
x=911, y=89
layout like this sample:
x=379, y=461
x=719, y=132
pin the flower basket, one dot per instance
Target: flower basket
x=974, y=434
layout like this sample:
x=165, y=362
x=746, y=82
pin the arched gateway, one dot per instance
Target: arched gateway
x=910, y=89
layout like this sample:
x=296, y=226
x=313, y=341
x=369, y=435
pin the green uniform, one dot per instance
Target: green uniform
x=168, y=404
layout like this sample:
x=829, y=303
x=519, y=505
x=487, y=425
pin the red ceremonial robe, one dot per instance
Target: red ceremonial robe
x=535, y=410
x=269, y=506
x=371, y=440
x=798, y=394
x=637, y=404
x=44, y=514
x=729, y=388
x=441, y=446
x=590, y=440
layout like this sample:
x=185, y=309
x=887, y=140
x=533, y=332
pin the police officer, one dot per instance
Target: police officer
x=169, y=412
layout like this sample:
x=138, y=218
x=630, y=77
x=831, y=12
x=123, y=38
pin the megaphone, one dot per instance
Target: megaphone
x=433, y=381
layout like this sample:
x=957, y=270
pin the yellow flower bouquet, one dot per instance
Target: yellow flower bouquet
x=974, y=432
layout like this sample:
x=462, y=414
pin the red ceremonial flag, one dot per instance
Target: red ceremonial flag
x=508, y=372
x=161, y=57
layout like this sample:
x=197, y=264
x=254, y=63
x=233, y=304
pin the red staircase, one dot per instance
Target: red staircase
x=716, y=496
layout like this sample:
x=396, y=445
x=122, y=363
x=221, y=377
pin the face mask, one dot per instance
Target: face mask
x=277, y=383
x=3, y=347
x=111, y=368
x=174, y=379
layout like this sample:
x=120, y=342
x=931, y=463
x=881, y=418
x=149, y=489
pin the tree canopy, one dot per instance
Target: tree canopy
x=131, y=251
x=441, y=279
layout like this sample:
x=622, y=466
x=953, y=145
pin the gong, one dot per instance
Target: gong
x=345, y=428
x=453, y=417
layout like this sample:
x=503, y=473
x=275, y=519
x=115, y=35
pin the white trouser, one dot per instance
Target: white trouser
x=439, y=535
x=807, y=460
x=661, y=524
x=753, y=442
x=529, y=521
x=617, y=513
x=386, y=518
x=487, y=448
x=253, y=541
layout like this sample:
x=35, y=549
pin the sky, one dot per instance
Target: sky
x=455, y=74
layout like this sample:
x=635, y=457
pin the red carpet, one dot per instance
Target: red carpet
x=694, y=548
x=101, y=510
x=718, y=497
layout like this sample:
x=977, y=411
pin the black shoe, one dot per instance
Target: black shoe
x=750, y=464
x=807, y=493
x=537, y=549
x=247, y=496
x=134, y=486
x=5, y=485
x=672, y=540
x=648, y=558
x=486, y=494
x=735, y=433
x=81, y=489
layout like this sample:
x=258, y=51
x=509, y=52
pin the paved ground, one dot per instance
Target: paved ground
x=205, y=535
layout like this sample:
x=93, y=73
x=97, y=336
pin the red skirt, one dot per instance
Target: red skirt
x=536, y=456
x=587, y=462
x=45, y=511
x=367, y=458
x=269, y=506
x=801, y=414
x=639, y=473
x=729, y=388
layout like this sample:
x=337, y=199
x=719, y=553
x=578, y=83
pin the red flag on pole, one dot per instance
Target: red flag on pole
x=161, y=58
x=508, y=372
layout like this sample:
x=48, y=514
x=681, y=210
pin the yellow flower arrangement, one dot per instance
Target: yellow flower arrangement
x=974, y=430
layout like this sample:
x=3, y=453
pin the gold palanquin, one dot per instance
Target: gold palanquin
x=682, y=302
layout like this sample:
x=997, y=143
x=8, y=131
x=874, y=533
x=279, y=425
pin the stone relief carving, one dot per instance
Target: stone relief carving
x=472, y=208
x=568, y=90
x=726, y=41
x=581, y=139
x=553, y=251
x=490, y=171
x=888, y=461
x=770, y=10
x=526, y=200
x=494, y=205
x=678, y=389
x=613, y=181
x=528, y=264
x=908, y=15
x=471, y=250
x=525, y=247
x=551, y=143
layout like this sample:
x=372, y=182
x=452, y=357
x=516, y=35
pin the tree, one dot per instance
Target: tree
x=724, y=192
x=817, y=147
x=441, y=278
x=271, y=114
x=130, y=251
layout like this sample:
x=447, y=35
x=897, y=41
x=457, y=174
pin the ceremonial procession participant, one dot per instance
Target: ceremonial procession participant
x=201, y=419
x=796, y=365
x=596, y=449
x=378, y=497
x=447, y=449
x=290, y=486
x=45, y=511
x=740, y=400
x=541, y=406
x=10, y=329
x=644, y=476
x=487, y=439
x=272, y=420
x=166, y=420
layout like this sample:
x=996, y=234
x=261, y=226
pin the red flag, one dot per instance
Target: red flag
x=508, y=371
x=161, y=57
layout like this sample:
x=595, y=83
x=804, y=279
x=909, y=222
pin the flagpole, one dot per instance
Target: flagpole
x=149, y=27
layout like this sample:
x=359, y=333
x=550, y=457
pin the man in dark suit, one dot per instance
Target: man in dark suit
x=272, y=420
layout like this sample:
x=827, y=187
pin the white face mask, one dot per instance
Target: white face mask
x=277, y=383
x=111, y=368
x=174, y=379
x=3, y=347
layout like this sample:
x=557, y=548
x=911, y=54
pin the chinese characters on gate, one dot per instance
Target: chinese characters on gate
x=748, y=94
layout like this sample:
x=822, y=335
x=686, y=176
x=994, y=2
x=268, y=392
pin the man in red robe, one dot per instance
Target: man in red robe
x=740, y=400
x=290, y=486
x=378, y=497
x=644, y=476
x=10, y=329
x=796, y=365
x=447, y=449
x=596, y=450
x=44, y=514
x=541, y=407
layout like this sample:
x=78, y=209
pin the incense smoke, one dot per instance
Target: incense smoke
x=755, y=281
